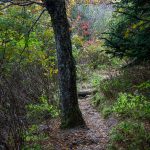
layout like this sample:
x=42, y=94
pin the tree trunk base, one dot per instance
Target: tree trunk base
x=73, y=119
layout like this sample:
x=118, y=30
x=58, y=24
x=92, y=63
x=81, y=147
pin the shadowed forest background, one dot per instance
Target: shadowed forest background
x=110, y=43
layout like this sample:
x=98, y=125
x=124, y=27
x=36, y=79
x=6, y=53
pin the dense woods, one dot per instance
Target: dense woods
x=74, y=74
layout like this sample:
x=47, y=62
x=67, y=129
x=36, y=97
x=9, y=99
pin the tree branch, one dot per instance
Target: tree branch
x=111, y=43
x=133, y=16
x=11, y=3
x=28, y=33
x=6, y=7
x=36, y=20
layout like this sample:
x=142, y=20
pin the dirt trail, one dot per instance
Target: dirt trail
x=98, y=130
x=93, y=138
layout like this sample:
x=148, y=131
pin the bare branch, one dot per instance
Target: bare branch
x=11, y=2
x=4, y=1
x=133, y=16
x=36, y=20
x=38, y=3
x=28, y=33
x=6, y=7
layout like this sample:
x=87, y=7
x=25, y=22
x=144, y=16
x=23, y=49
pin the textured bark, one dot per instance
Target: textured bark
x=71, y=115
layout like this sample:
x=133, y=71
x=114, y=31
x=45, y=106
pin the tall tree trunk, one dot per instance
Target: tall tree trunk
x=71, y=115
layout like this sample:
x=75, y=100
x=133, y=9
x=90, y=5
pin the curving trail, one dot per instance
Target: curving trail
x=93, y=138
x=98, y=129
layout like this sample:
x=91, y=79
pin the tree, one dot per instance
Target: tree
x=128, y=35
x=70, y=112
x=71, y=115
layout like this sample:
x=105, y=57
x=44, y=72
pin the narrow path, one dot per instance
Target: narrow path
x=98, y=130
x=93, y=138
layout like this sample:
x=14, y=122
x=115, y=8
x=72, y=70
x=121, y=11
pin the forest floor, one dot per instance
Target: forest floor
x=94, y=137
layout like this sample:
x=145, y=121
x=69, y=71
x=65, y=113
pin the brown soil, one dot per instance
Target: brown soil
x=94, y=137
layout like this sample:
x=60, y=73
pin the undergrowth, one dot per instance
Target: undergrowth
x=38, y=115
x=126, y=96
x=129, y=135
x=121, y=92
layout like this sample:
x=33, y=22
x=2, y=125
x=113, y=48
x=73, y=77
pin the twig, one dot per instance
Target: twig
x=36, y=21
x=6, y=7
x=111, y=44
x=133, y=16
x=11, y=3
x=28, y=33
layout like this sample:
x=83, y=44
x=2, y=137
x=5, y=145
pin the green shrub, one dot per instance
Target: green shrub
x=106, y=111
x=144, y=85
x=144, y=88
x=96, y=79
x=111, y=87
x=33, y=137
x=93, y=55
x=82, y=73
x=34, y=147
x=129, y=136
x=77, y=41
x=125, y=81
x=101, y=103
x=98, y=99
x=41, y=111
x=136, y=106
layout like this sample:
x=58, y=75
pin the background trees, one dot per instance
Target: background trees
x=128, y=35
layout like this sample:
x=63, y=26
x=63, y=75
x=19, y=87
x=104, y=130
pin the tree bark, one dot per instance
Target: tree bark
x=70, y=115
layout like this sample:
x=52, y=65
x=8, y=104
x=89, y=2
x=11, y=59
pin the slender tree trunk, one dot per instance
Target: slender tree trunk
x=71, y=115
